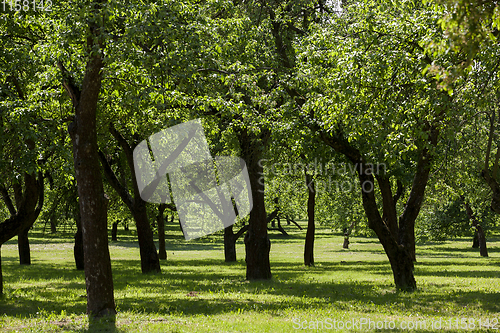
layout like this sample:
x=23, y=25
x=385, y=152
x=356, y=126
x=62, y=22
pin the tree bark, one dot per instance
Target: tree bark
x=311, y=201
x=257, y=243
x=78, y=247
x=162, y=252
x=83, y=133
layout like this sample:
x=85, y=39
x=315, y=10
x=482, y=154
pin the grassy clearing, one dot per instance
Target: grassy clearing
x=198, y=292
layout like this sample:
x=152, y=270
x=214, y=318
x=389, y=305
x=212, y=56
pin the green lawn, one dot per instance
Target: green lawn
x=198, y=292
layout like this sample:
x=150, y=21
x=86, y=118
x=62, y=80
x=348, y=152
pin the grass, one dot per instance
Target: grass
x=198, y=292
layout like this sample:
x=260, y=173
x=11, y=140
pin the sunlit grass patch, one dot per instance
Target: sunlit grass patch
x=198, y=292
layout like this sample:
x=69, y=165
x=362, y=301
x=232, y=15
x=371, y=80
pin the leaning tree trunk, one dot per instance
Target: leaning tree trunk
x=257, y=243
x=150, y=261
x=29, y=205
x=311, y=200
x=162, y=252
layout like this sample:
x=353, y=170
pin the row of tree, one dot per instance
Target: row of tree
x=404, y=92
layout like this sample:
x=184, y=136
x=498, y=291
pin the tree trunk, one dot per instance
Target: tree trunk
x=230, y=239
x=29, y=205
x=229, y=244
x=23, y=245
x=481, y=238
x=114, y=231
x=398, y=240
x=53, y=228
x=1, y=274
x=257, y=243
x=162, y=252
x=83, y=132
x=402, y=265
x=475, y=240
x=311, y=200
x=150, y=261
x=78, y=247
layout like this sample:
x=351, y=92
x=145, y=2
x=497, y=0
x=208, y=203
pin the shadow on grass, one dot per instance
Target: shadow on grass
x=209, y=286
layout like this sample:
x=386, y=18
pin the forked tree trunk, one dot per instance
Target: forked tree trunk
x=257, y=243
x=162, y=252
x=230, y=239
x=23, y=245
x=398, y=239
x=311, y=200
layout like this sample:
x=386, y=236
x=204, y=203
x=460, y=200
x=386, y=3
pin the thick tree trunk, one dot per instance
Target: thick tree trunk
x=311, y=201
x=257, y=243
x=402, y=268
x=162, y=252
x=23, y=245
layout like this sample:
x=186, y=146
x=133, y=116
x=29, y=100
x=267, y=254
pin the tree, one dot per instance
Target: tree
x=357, y=71
x=83, y=133
x=29, y=202
x=149, y=257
